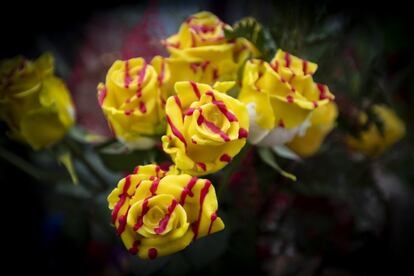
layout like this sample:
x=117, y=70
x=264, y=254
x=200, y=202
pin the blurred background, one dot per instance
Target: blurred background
x=345, y=215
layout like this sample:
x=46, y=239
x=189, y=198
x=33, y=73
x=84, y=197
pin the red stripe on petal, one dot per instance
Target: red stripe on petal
x=225, y=158
x=175, y=131
x=141, y=76
x=144, y=211
x=305, y=67
x=178, y=102
x=134, y=249
x=222, y=107
x=127, y=77
x=142, y=107
x=187, y=190
x=212, y=220
x=164, y=221
x=243, y=133
x=152, y=253
x=154, y=186
x=195, y=89
x=287, y=59
x=128, y=112
x=203, y=194
x=202, y=165
x=215, y=129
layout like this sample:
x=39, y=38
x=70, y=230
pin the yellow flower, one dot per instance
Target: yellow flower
x=371, y=141
x=158, y=213
x=322, y=121
x=200, y=51
x=280, y=97
x=132, y=101
x=34, y=103
x=206, y=128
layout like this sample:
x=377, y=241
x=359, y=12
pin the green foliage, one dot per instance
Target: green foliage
x=267, y=156
x=65, y=158
x=250, y=29
x=118, y=158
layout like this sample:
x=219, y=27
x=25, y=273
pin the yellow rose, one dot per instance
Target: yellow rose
x=158, y=213
x=371, y=141
x=280, y=97
x=206, y=128
x=201, y=53
x=34, y=103
x=322, y=121
x=132, y=101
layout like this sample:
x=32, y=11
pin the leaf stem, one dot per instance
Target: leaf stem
x=28, y=168
x=81, y=157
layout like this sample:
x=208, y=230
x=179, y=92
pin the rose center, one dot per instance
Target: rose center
x=154, y=215
x=213, y=118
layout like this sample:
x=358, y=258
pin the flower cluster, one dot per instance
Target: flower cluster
x=185, y=98
x=200, y=105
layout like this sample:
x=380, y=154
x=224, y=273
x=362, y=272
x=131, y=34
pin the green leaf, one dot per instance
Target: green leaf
x=79, y=191
x=267, y=156
x=27, y=167
x=253, y=31
x=117, y=157
x=65, y=158
x=285, y=152
x=82, y=136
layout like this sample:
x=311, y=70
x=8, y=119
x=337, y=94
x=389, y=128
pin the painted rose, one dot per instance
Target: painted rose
x=132, y=102
x=158, y=212
x=200, y=51
x=280, y=97
x=322, y=121
x=206, y=127
x=372, y=142
x=35, y=104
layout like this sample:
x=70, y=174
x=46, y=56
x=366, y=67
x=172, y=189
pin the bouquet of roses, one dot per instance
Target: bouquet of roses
x=221, y=90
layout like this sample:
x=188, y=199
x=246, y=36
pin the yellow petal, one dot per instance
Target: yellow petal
x=322, y=122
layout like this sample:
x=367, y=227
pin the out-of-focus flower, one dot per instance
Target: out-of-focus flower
x=132, y=102
x=322, y=121
x=200, y=51
x=34, y=103
x=280, y=96
x=158, y=212
x=372, y=142
x=206, y=128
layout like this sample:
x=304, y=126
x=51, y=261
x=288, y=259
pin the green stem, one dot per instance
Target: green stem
x=81, y=157
x=28, y=168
